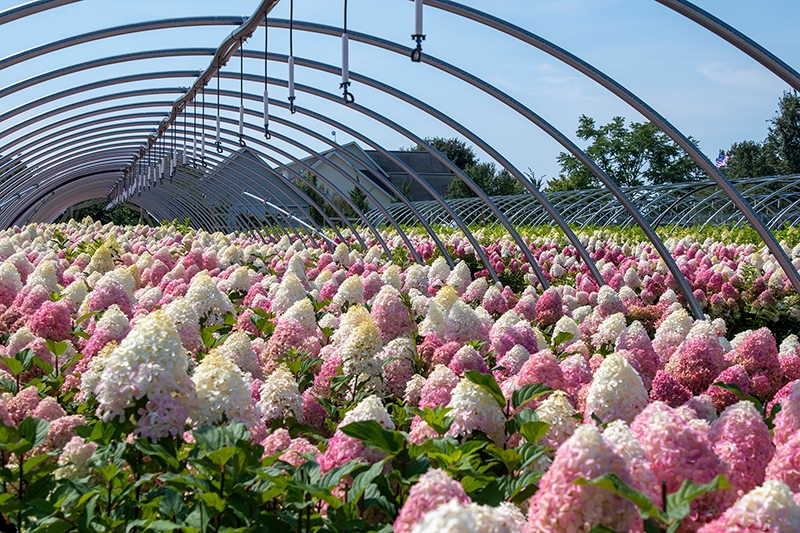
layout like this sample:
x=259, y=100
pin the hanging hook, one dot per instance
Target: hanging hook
x=416, y=54
x=347, y=95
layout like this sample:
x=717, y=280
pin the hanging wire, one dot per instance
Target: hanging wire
x=292, y=109
x=416, y=54
x=183, y=154
x=345, y=85
x=266, y=92
x=241, y=93
x=194, y=140
x=203, y=127
x=218, y=141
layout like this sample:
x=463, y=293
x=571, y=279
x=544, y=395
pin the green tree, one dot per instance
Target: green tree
x=488, y=178
x=749, y=159
x=120, y=215
x=784, y=133
x=455, y=149
x=321, y=201
x=358, y=197
x=631, y=156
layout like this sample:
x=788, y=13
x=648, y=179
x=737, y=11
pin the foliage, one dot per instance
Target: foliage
x=631, y=156
x=120, y=215
x=455, y=149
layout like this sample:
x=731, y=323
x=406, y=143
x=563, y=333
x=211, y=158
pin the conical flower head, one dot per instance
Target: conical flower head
x=434, y=488
x=207, y=301
x=617, y=392
x=222, y=393
x=146, y=376
x=560, y=506
x=768, y=508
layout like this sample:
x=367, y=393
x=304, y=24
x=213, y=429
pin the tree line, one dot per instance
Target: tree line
x=636, y=154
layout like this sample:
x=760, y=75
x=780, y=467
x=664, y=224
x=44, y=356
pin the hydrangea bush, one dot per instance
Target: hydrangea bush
x=167, y=379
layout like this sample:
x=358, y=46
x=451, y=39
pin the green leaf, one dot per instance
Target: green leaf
x=44, y=365
x=221, y=456
x=108, y=471
x=57, y=348
x=34, y=430
x=600, y=528
x=533, y=431
x=33, y=462
x=213, y=500
x=162, y=525
x=528, y=393
x=9, y=384
x=374, y=436
x=488, y=382
x=679, y=502
x=617, y=486
x=563, y=336
x=739, y=394
x=14, y=366
x=364, y=479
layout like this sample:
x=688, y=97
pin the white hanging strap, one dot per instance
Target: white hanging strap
x=416, y=54
x=266, y=110
x=203, y=147
x=291, y=85
x=183, y=154
x=194, y=149
x=345, y=59
x=218, y=141
x=241, y=122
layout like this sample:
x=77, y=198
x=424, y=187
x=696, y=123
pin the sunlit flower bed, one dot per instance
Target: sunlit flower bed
x=162, y=379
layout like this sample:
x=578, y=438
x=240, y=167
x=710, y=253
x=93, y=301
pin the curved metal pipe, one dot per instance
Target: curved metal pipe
x=30, y=8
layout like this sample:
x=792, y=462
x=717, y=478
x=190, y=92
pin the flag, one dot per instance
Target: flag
x=722, y=160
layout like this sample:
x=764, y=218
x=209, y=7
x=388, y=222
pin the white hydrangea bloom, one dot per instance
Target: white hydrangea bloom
x=373, y=255
x=238, y=281
x=124, y=277
x=350, y=292
x=608, y=297
x=206, y=299
x=303, y=312
x=289, y=291
x=672, y=332
x=232, y=255
x=739, y=337
x=101, y=262
x=609, y=330
x=463, y=323
x=329, y=321
x=297, y=266
x=450, y=517
x=342, y=255
x=632, y=279
x=359, y=352
x=370, y=408
x=460, y=277
x=435, y=320
x=789, y=345
x=616, y=392
x=505, y=518
x=669, y=296
x=626, y=293
x=557, y=270
x=557, y=411
x=391, y=276
x=9, y=278
x=416, y=278
x=413, y=389
x=770, y=507
x=439, y=271
x=348, y=323
x=238, y=347
x=74, y=459
x=223, y=394
x=150, y=362
x=475, y=409
x=567, y=325
x=45, y=275
x=581, y=313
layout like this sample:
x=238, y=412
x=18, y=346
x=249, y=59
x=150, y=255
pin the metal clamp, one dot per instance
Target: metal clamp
x=218, y=145
x=416, y=54
x=292, y=108
x=347, y=95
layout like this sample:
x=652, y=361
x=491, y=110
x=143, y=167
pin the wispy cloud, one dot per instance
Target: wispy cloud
x=722, y=73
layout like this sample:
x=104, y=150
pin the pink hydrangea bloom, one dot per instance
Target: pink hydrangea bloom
x=108, y=293
x=49, y=410
x=697, y=363
x=52, y=321
x=61, y=431
x=667, y=389
x=758, y=354
x=560, y=506
x=437, y=388
x=549, y=307
x=743, y=442
x=769, y=508
x=443, y=354
x=390, y=314
x=785, y=464
x=787, y=421
x=23, y=404
x=677, y=452
x=543, y=368
x=734, y=375
x=467, y=358
x=433, y=489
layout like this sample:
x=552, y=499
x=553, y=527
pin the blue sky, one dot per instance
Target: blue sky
x=703, y=85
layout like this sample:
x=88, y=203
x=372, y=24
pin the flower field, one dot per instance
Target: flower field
x=167, y=379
